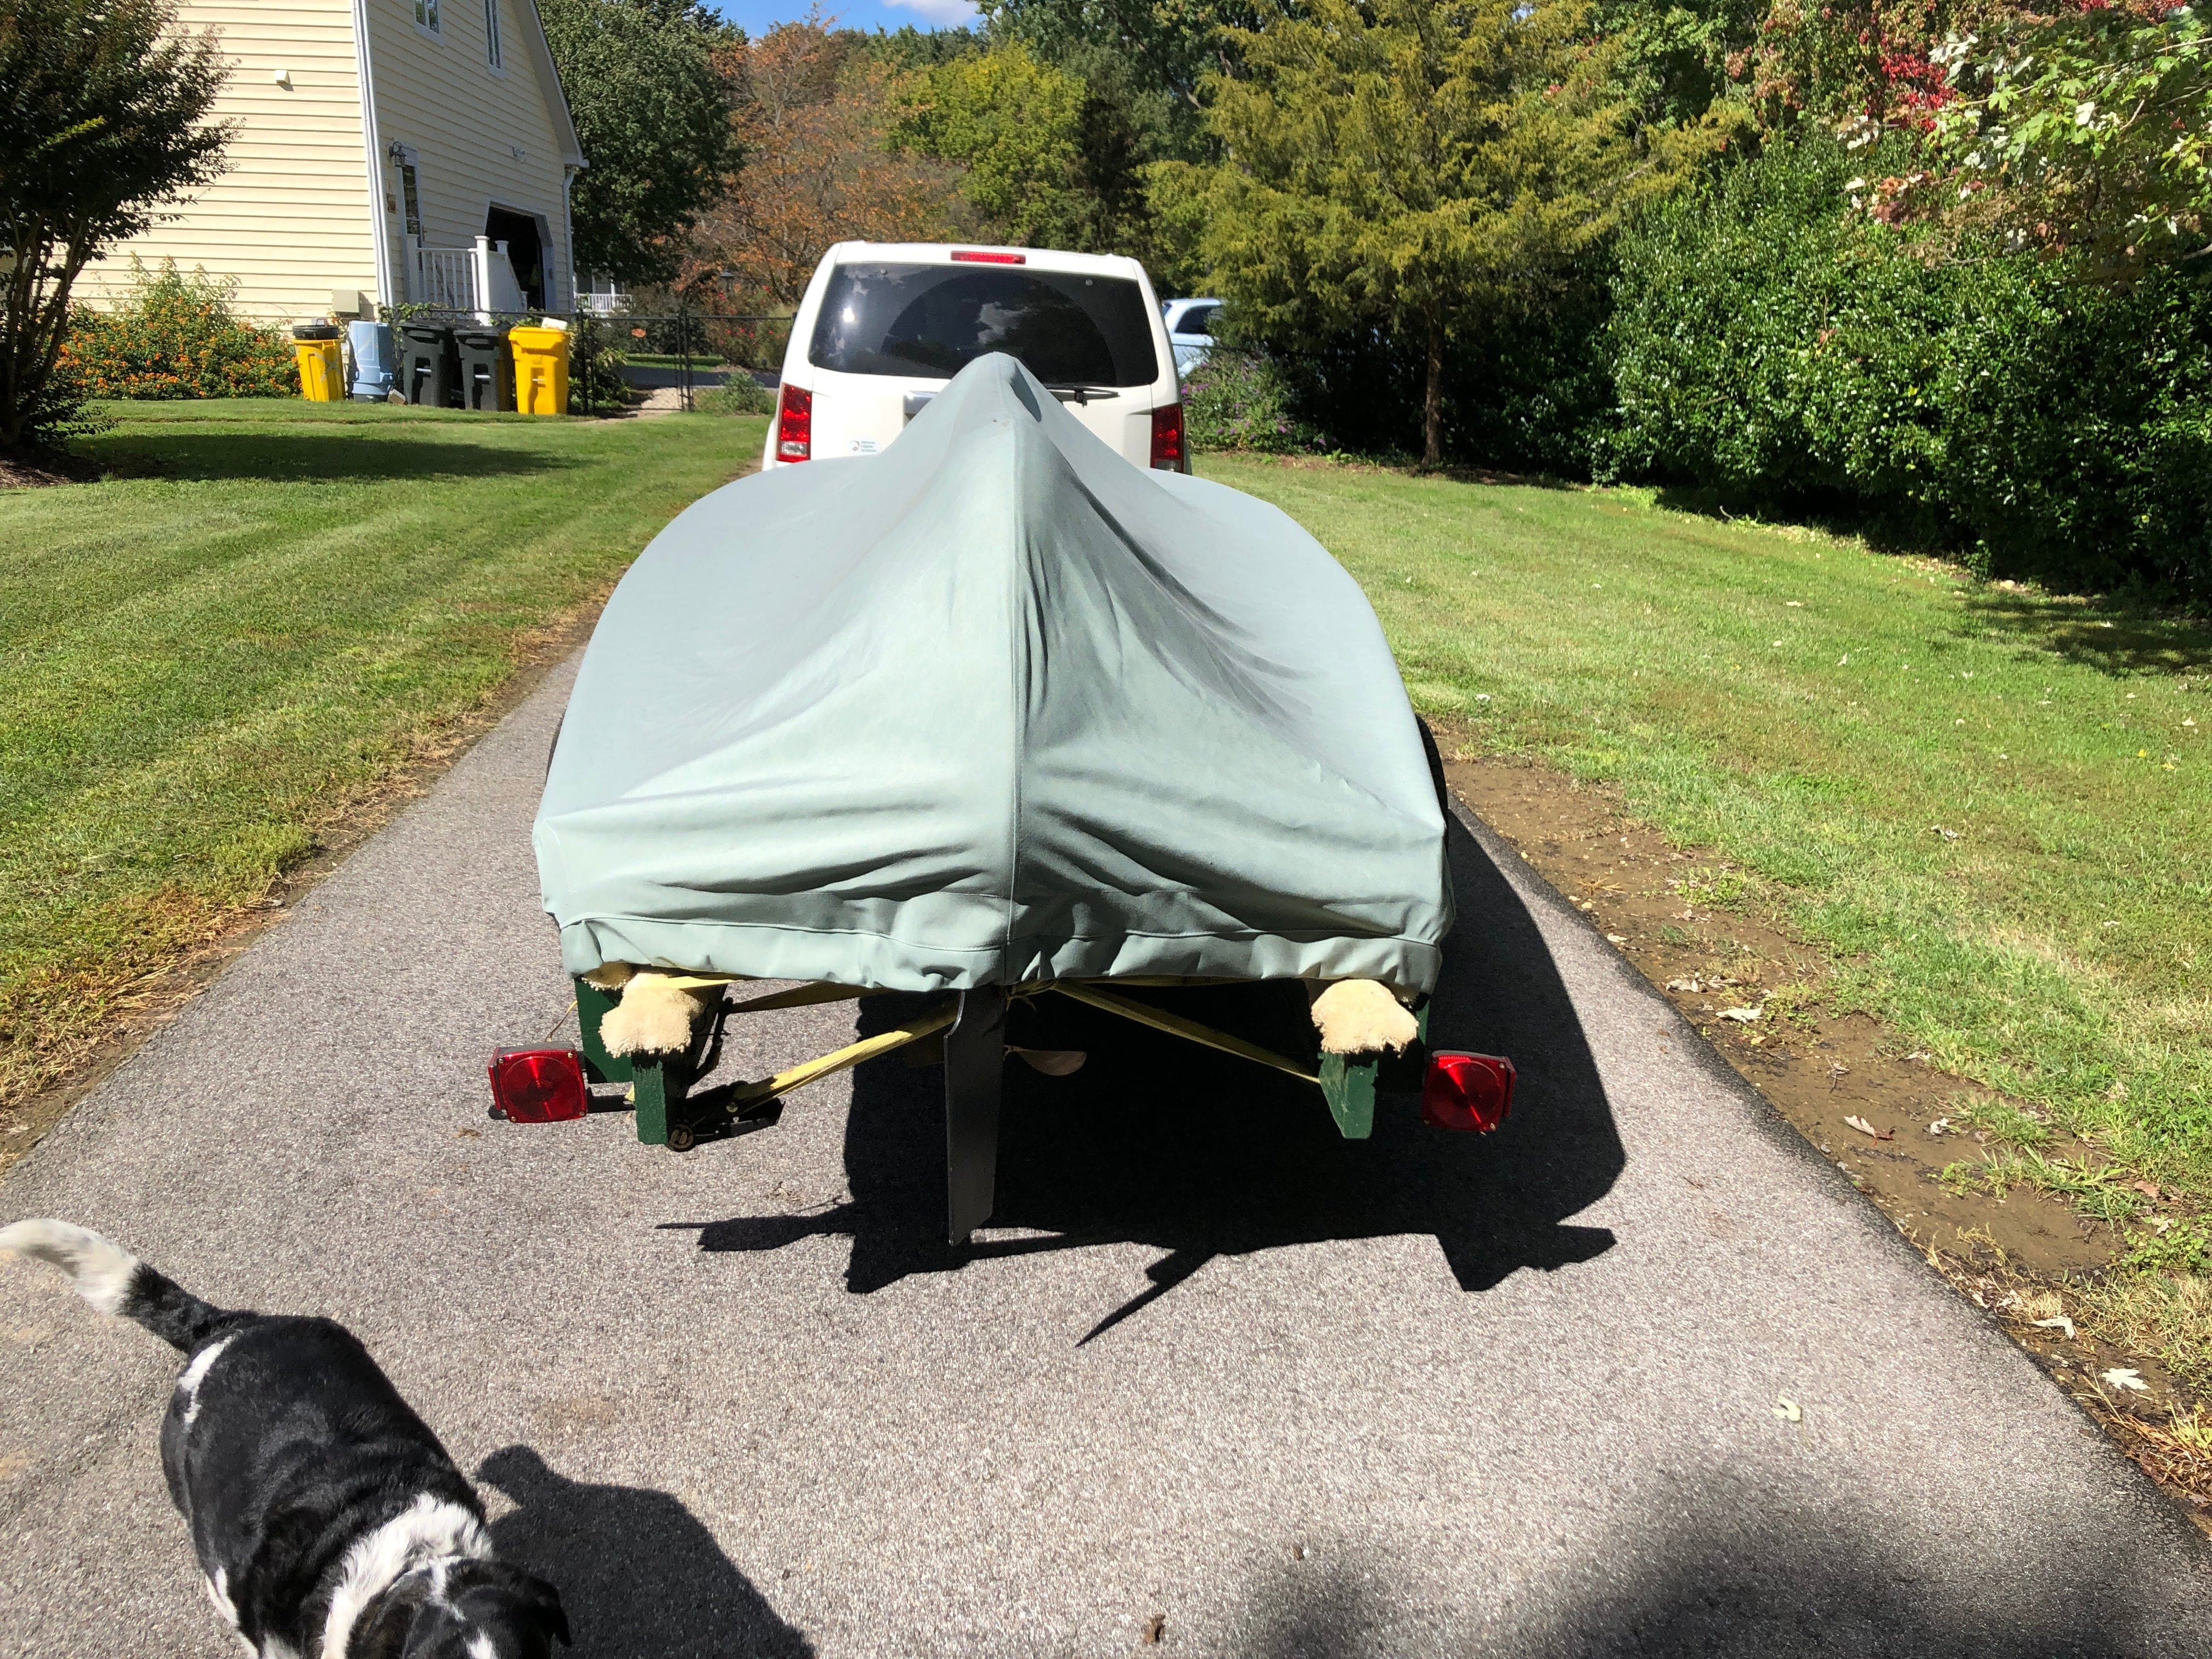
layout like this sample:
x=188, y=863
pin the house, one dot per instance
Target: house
x=386, y=152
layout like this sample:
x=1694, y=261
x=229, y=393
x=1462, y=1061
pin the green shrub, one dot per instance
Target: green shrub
x=176, y=336
x=1768, y=341
x=595, y=385
x=742, y=395
x=1241, y=400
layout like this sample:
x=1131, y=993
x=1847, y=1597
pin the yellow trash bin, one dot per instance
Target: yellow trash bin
x=541, y=369
x=322, y=370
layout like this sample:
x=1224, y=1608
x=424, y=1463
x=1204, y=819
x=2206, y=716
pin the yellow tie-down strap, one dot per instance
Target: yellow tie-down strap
x=936, y=1019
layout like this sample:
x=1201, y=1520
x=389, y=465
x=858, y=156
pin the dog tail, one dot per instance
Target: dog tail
x=115, y=1281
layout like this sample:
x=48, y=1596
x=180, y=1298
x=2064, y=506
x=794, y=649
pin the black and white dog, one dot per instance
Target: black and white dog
x=329, y=1521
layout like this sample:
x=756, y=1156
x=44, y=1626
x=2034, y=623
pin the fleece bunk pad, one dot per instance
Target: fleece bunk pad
x=990, y=708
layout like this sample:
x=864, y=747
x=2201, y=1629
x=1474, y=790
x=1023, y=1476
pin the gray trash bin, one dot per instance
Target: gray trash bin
x=428, y=371
x=487, y=371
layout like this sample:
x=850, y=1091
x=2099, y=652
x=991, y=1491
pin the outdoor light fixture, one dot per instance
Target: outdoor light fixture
x=538, y=1086
x=1466, y=1091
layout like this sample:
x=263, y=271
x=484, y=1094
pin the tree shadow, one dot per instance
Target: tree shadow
x=1202, y=1155
x=1730, y=1574
x=639, y=1577
x=2112, y=639
x=339, y=452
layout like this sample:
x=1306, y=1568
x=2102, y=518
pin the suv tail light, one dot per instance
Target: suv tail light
x=1167, y=437
x=1466, y=1091
x=538, y=1086
x=977, y=256
x=794, y=424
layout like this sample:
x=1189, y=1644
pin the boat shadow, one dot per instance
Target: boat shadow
x=1202, y=1155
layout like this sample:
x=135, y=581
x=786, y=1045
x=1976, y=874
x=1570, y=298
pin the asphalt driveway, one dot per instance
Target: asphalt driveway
x=1284, y=1394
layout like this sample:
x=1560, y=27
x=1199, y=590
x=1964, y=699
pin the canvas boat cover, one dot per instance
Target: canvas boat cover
x=993, y=706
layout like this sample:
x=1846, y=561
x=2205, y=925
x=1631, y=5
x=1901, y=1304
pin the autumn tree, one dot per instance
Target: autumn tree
x=1407, y=164
x=815, y=110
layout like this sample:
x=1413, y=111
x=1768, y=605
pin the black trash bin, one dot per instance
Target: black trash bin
x=487, y=371
x=429, y=372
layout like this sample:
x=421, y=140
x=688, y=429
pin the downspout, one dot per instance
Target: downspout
x=379, y=222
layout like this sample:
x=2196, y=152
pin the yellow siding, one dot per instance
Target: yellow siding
x=479, y=136
x=290, y=218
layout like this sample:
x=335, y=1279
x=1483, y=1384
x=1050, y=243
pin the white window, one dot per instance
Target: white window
x=426, y=14
x=411, y=203
x=491, y=31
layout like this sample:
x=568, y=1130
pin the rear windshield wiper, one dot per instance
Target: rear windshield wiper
x=1080, y=394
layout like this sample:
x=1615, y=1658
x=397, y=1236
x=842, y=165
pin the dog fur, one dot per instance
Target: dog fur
x=1361, y=1017
x=655, y=1015
x=328, y=1519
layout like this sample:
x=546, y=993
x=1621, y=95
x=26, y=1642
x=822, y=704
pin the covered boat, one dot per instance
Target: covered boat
x=996, y=714
x=993, y=706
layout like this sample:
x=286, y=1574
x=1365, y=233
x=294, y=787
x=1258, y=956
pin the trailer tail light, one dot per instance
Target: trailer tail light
x=794, y=424
x=978, y=256
x=538, y=1086
x=1167, y=437
x=1466, y=1091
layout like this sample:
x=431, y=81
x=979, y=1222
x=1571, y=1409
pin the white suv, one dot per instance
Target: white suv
x=884, y=326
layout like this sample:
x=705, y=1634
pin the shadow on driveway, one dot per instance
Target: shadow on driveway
x=639, y=1577
x=1200, y=1155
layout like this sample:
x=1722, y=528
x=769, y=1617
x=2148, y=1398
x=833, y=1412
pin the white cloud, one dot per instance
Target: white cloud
x=946, y=12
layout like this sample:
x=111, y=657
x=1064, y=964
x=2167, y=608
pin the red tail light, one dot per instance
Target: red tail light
x=1466, y=1091
x=794, y=424
x=1167, y=437
x=538, y=1086
x=977, y=256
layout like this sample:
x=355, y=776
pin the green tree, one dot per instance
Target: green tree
x=1412, y=165
x=648, y=89
x=1050, y=163
x=104, y=112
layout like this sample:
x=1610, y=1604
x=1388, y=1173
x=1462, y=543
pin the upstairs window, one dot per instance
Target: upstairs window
x=491, y=31
x=426, y=16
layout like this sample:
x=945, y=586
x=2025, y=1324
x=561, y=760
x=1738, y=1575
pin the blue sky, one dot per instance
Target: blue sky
x=758, y=15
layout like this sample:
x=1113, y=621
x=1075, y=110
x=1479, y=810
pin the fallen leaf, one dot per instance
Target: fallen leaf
x=1690, y=985
x=2125, y=1378
x=1948, y=834
x=1616, y=939
x=1787, y=1410
x=1941, y=1125
x=2057, y=1322
x=1156, y=1626
x=1743, y=1016
x=1867, y=1128
x=2148, y=1188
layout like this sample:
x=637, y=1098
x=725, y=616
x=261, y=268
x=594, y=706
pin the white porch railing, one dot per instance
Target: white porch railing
x=477, y=280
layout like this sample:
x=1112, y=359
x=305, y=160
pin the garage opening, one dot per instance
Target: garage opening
x=525, y=251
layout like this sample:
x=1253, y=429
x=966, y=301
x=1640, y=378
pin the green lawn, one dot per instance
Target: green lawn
x=269, y=607
x=1821, y=715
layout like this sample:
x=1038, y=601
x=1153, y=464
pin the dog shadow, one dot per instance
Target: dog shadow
x=1203, y=1155
x=639, y=1576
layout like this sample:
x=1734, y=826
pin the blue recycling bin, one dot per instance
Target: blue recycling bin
x=375, y=360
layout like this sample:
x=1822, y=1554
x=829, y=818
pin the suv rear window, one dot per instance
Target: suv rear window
x=933, y=320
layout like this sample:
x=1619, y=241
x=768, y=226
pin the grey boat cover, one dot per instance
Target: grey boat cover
x=993, y=705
